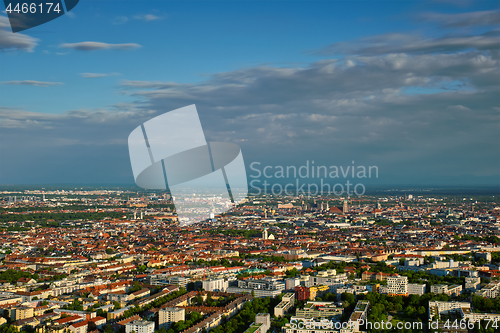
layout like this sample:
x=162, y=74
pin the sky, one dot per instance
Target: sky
x=411, y=87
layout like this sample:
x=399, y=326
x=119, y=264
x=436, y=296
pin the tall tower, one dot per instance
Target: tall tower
x=346, y=207
x=264, y=234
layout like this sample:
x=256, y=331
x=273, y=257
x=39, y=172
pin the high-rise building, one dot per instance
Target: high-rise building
x=168, y=316
x=345, y=208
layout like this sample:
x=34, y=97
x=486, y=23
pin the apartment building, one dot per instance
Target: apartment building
x=291, y=283
x=261, y=325
x=416, y=289
x=261, y=288
x=220, y=284
x=397, y=285
x=319, y=310
x=453, y=290
x=140, y=326
x=327, y=278
x=287, y=301
x=316, y=291
x=170, y=315
x=491, y=290
x=360, y=313
x=473, y=317
x=438, y=308
x=21, y=312
x=472, y=283
x=81, y=327
x=120, y=297
x=9, y=299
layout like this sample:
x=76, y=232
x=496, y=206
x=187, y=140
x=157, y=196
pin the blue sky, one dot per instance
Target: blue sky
x=418, y=55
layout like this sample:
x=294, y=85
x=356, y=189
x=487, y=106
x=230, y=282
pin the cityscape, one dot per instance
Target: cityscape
x=117, y=260
x=250, y=166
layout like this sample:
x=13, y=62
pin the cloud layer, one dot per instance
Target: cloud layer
x=33, y=83
x=487, y=17
x=423, y=109
x=92, y=46
x=96, y=75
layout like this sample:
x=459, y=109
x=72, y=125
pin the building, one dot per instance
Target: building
x=310, y=325
x=473, y=317
x=120, y=297
x=438, y=308
x=491, y=290
x=454, y=290
x=319, y=310
x=345, y=207
x=9, y=299
x=472, y=283
x=179, y=281
x=291, y=283
x=372, y=276
x=215, y=285
x=397, y=285
x=416, y=289
x=261, y=325
x=170, y=315
x=28, y=296
x=139, y=294
x=316, y=291
x=80, y=327
x=287, y=301
x=140, y=326
x=99, y=321
x=460, y=309
x=261, y=288
x=360, y=313
x=327, y=278
x=302, y=293
x=21, y=312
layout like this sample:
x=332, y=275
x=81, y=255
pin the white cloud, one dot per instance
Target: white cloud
x=92, y=46
x=96, y=75
x=147, y=17
x=33, y=83
x=144, y=17
x=487, y=17
x=120, y=20
x=411, y=44
x=14, y=41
